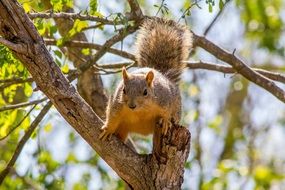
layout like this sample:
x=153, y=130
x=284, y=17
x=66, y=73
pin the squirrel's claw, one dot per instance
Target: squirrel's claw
x=165, y=125
x=105, y=134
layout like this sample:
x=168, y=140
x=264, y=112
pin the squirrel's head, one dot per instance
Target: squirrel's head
x=137, y=91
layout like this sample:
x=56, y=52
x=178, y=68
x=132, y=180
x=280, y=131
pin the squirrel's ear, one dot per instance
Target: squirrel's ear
x=149, y=77
x=125, y=74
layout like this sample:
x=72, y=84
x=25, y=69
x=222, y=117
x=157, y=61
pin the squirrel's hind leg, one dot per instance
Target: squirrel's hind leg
x=165, y=122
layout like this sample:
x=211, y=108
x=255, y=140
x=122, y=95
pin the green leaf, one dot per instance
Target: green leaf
x=215, y=124
x=79, y=186
x=69, y=3
x=26, y=7
x=58, y=62
x=60, y=42
x=221, y=4
x=85, y=51
x=193, y=90
x=210, y=8
x=57, y=5
x=58, y=53
x=262, y=173
x=65, y=68
x=93, y=6
x=48, y=128
x=78, y=26
x=28, y=90
x=34, y=134
x=71, y=158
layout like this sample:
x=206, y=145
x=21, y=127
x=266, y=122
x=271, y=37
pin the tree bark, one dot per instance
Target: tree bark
x=161, y=170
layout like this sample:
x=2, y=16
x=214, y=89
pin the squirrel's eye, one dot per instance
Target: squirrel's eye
x=124, y=90
x=145, y=92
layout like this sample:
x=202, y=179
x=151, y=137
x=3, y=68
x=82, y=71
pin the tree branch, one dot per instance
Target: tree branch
x=79, y=16
x=228, y=69
x=15, y=47
x=16, y=80
x=82, y=44
x=136, y=11
x=104, y=48
x=207, y=30
x=9, y=82
x=15, y=106
x=23, y=141
x=22, y=120
x=204, y=65
x=240, y=66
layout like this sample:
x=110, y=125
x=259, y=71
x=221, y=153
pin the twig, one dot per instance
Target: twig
x=15, y=47
x=228, y=69
x=16, y=80
x=207, y=30
x=160, y=7
x=9, y=82
x=74, y=16
x=13, y=129
x=188, y=8
x=118, y=65
x=23, y=141
x=9, y=107
x=240, y=67
x=136, y=11
x=83, y=44
x=92, y=27
x=104, y=48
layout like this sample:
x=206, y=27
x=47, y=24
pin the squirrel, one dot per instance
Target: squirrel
x=150, y=95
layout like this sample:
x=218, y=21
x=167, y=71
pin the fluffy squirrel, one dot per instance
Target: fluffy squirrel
x=150, y=94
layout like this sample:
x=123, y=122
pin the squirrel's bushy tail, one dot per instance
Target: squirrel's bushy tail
x=163, y=45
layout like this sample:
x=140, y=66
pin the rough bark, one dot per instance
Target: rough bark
x=170, y=152
x=161, y=170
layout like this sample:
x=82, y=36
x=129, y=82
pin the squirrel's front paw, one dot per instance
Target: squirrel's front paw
x=105, y=133
x=165, y=123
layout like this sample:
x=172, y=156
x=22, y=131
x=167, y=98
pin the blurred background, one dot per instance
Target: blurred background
x=238, y=128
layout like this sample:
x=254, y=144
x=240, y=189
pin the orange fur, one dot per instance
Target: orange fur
x=140, y=121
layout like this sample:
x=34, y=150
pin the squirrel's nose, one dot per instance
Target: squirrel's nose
x=132, y=106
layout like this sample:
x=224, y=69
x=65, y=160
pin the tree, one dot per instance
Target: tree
x=164, y=168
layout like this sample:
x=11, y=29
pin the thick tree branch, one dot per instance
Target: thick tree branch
x=240, y=66
x=23, y=141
